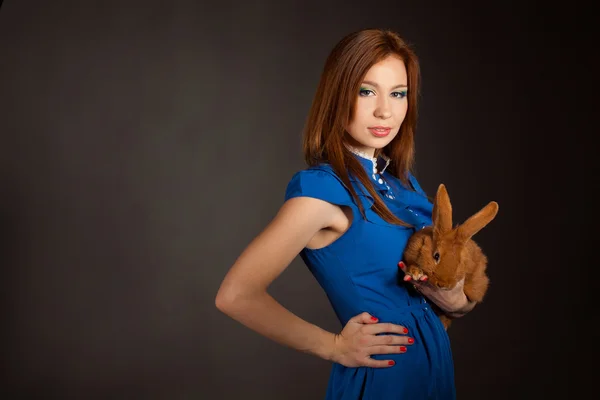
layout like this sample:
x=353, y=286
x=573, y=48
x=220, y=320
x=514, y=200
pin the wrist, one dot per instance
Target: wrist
x=327, y=349
x=460, y=302
x=467, y=305
x=449, y=300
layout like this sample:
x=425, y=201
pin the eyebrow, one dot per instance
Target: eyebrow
x=377, y=86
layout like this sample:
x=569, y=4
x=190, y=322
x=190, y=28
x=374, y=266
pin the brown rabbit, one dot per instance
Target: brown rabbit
x=447, y=255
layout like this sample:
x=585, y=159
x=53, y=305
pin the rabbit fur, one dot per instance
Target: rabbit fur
x=447, y=255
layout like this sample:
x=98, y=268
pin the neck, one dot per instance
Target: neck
x=370, y=157
x=368, y=154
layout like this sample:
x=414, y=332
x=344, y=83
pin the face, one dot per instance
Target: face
x=381, y=106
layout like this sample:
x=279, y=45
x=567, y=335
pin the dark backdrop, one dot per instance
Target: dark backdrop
x=144, y=144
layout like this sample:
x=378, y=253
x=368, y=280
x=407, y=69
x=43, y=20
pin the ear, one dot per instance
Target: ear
x=442, y=212
x=476, y=222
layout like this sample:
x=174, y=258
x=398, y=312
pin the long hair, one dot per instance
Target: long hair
x=333, y=108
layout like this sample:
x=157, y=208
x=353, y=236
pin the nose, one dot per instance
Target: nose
x=383, y=109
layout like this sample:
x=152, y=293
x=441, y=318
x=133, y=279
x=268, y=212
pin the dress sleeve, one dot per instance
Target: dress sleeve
x=319, y=184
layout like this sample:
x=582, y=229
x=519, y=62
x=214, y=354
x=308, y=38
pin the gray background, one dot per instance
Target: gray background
x=144, y=144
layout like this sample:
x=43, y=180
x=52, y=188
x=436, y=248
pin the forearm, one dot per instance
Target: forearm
x=461, y=308
x=263, y=314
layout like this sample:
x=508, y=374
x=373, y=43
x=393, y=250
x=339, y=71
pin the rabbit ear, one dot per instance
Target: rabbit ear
x=442, y=212
x=479, y=220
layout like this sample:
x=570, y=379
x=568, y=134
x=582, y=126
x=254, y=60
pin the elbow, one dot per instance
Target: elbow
x=235, y=294
x=231, y=298
x=224, y=300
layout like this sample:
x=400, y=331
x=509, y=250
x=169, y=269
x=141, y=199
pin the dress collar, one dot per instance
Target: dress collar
x=377, y=164
x=375, y=167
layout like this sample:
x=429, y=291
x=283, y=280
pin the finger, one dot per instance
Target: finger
x=370, y=362
x=407, y=278
x=364, y=318
x=424, y=278
x=402, y=265
x=384, y=328
x=388, y=349
x=392, y=340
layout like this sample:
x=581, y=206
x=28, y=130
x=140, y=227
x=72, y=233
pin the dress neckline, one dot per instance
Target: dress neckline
x=372, y=165
x=374, y=161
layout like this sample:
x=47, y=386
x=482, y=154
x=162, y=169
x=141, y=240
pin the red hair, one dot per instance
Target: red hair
x=333, y=108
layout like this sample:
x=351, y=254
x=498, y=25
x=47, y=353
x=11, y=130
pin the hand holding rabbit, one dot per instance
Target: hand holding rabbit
x=451, y=263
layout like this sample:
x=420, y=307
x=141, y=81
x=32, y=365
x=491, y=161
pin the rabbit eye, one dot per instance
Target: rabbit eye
x=436, y=256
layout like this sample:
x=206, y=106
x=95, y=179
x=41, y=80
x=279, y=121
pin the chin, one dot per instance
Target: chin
x=369, y=141
x=378, y=143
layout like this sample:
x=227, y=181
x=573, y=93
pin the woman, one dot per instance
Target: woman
x=349, y=216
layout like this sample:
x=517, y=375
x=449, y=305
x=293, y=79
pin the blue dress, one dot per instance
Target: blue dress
x=359, y=272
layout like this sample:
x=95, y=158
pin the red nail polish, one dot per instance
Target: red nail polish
x=374, y=319
x=405, y=330
x=391, y=362
x=402, y=348
x=425, y=278
x=411, y=340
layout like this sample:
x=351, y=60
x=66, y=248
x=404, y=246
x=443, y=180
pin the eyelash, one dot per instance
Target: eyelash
x=402, y=94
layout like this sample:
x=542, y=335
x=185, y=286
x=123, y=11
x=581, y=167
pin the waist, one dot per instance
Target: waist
x=394, y=314
x=390, y=314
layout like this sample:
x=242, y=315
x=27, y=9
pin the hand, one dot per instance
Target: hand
x=448, y=300
x=358, y=340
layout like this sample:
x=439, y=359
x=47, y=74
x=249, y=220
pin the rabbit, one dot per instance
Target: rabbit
x=447, y=255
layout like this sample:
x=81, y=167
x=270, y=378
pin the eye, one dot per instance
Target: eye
x=436, y=256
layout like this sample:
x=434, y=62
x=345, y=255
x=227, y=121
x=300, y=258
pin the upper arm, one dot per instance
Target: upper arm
x=269, y=253
x=311, y=204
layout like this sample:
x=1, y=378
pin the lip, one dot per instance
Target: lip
x=379, y=131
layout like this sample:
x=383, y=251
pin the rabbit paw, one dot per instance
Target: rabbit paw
x=413, y=273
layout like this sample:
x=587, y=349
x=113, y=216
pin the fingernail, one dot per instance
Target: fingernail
x=403, y=348
x=424, y=278
x=407, y=278
x=401, y=264
x=391, y=362
x=374, y=319
x=411, y=340
x=405, y=330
